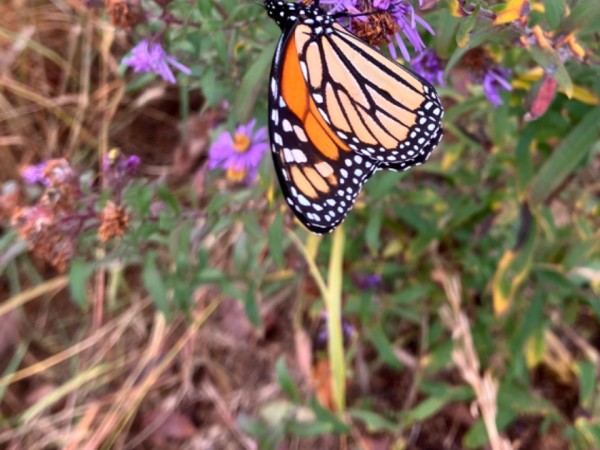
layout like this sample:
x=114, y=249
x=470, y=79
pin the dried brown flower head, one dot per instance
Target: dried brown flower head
x=113, y=222
x=38, y=225
x=377, y=30
x=478, y=61
x=124, y=13
x=62, y=188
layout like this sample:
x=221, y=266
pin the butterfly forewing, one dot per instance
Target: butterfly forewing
x=376, y=106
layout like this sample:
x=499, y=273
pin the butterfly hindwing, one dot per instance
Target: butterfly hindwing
x=421, y=158
x=319, y=176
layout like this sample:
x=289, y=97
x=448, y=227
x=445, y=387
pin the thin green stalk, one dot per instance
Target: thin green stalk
x=332, y=296
x=333, y=304
x=309, y=257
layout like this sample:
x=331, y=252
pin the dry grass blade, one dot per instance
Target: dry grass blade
x=143, y=378
x=98, y=337
x=19, y=300
x=466, y=359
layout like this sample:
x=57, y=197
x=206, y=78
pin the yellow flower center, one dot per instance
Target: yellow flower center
x=236, y=175
x=241, y=143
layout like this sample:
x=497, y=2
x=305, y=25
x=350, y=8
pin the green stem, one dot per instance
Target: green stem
x=333, y=304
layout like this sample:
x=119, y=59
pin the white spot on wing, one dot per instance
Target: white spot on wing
x=300, y=133
x=287, y=155
x=303, y=200
x=299, y=156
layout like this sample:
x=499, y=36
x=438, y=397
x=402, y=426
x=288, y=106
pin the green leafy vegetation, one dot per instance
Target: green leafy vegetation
x=156, y=291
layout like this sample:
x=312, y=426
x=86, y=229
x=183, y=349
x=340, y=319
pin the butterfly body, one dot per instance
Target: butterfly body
x=339, y=111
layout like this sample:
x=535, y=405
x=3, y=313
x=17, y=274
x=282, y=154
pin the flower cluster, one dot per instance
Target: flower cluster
x=396, y=18
x=53, y=222
x=118, y=169
x=486, y=72
x=44, y=225
x=239, y=154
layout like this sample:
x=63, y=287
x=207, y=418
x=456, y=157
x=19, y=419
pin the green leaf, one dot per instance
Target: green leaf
x=154, y=283
x=477, y=436
x=79, y=272
x=439, y=396
x=308, y=429
x=548, y=58
x=521, y=400
x=167, y=196
x=373, y=228
x=555, y=10
x=139, y=195
x=445, y=32
x=530, y=321
x=285, y=380
x=212, y=91
x=373, y=421
x=586, y=372
x=565, y=158
x=251, y=307
x=523, y=163
x=464, y=31
x=589, y=429
x=325, y=416
x=250, y=86
x=382, y=184
x=384, y=347
x=276, y=239
x=584, y=12
x=209, y=275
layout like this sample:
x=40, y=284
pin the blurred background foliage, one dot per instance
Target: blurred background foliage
x=173, y=307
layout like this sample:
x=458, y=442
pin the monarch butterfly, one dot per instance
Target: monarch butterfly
x=339, y=111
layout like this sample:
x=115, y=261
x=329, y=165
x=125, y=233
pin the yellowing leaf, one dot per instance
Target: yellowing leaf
x=515, y=9
x=455, y=9
x=535, y=348
x=532, y=74
x=526, y=79
x=515, y=264
x=585, y=96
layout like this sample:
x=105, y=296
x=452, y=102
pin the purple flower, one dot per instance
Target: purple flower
x=429, y=66
x=322, y=335
x=404, y=15
x=118, y=168
x=239, y=154
x=35, y=174
x=496, y=78
x=367, y=282
x=335, y=6
x=149, y=56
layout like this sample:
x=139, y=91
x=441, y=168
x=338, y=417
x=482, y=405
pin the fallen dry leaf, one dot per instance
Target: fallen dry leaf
x=168, y=425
